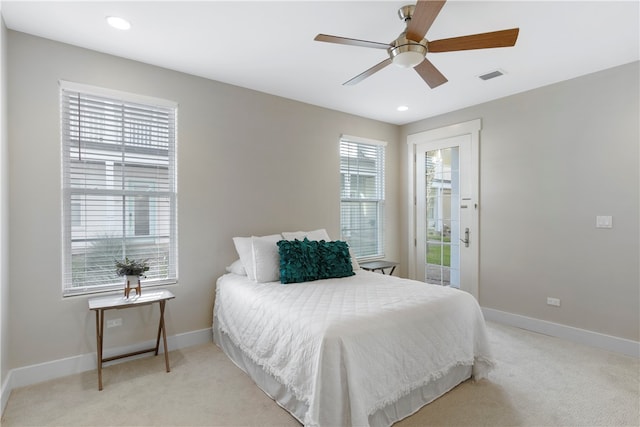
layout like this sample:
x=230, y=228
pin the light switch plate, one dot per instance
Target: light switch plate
x=604, y=221
x=553, y=301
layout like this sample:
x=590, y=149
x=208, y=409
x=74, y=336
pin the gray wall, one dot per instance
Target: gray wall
x=552, y=159
x=4, y=210
x=249, y=163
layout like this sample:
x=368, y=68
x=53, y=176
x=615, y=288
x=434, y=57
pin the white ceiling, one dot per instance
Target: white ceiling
x=268, y=46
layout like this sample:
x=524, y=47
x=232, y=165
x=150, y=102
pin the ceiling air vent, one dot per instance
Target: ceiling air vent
x=491, y=75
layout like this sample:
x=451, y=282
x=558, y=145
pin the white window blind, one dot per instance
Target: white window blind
x=119, y=188
x=362, y=196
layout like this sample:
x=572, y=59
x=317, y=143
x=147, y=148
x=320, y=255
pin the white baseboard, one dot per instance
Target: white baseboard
x=581, y=336
x=33, y=374
x=5, y=392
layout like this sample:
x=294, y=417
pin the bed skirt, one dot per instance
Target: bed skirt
x=404, y=407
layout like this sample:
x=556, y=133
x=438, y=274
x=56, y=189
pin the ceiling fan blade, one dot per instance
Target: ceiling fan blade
x=503, y=38
x=423, y=16
x=369, y=72
x=430, y=74
x=350, y=42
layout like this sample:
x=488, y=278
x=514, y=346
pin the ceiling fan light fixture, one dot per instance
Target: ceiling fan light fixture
x=408, y=59
x=407, y=53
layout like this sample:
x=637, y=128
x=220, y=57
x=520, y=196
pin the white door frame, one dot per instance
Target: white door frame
x=471, y=128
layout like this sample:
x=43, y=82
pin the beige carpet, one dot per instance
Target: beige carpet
x=539, y=381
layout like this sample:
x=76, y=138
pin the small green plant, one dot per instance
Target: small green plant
x=131, y=267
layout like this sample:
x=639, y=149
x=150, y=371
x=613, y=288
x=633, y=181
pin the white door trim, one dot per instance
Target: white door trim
x=471, y=128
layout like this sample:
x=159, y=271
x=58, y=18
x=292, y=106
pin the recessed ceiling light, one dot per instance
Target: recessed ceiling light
x=402, y=108
x=119, y=23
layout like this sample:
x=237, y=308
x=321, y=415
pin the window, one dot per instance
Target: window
x=119, y=187
x=362, y=195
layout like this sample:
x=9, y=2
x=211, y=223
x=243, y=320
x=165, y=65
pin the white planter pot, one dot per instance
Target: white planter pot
x=131, y=282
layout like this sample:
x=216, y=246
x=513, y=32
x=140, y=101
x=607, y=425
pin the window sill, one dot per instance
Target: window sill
x=78, y=292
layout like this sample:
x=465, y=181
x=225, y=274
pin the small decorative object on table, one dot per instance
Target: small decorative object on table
x=132, y=270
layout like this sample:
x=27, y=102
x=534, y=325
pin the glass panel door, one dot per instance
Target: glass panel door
x=442, y=202
x=445, y=219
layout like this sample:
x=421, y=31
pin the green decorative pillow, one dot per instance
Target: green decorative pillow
x=307, y=260
x=298, y=260
x=335, y=259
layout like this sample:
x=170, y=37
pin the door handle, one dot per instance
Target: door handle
x=466, y=238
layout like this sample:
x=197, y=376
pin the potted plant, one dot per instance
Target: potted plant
x=132, y=270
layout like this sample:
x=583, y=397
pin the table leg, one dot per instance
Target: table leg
x=160, y=326
x=99, y=341
x=162, y=330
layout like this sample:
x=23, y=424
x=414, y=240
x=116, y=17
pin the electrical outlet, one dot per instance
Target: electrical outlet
x=604, y=221
x=553, y=301
x=114, y=322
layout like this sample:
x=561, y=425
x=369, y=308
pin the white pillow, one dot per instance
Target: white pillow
x=266, y=258
x=245, y=252
x=354, y=262
x=320, y=234
x=236, y=267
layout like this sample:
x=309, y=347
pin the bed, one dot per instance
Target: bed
x=363, y=350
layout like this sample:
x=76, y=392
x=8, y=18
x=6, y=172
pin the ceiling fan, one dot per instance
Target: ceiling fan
x=410, y=48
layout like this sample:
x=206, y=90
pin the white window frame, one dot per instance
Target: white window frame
x=168, y=109
x=379, y=199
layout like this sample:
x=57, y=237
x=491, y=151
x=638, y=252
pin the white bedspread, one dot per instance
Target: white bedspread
x=348, y=347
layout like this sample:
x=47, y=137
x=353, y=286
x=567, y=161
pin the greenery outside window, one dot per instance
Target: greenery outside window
x=119, y=187
x=362, y=195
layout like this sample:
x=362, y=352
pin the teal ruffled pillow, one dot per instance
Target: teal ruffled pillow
x=298, y=260
x=307, y=260
x=335, y=260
